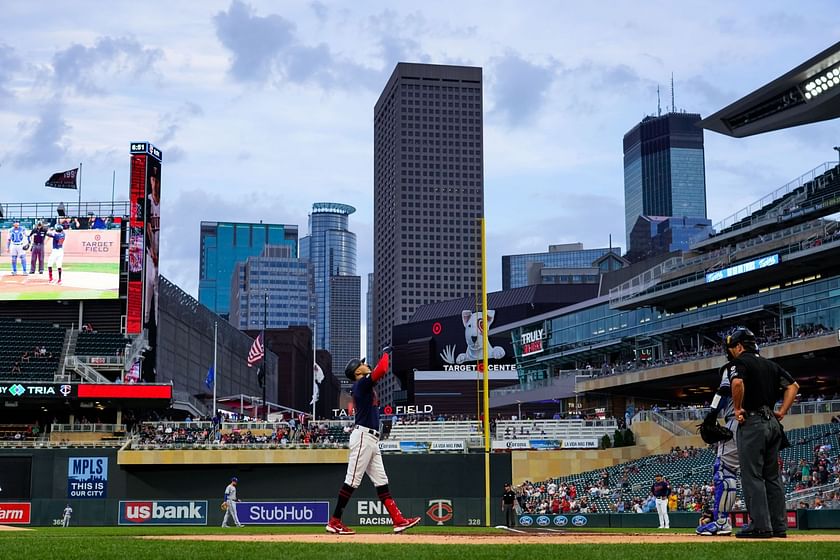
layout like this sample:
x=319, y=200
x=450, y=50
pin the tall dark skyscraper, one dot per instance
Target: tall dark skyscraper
x=664, y=169
x=428, y=192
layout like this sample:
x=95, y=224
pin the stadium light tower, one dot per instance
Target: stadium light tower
x=838, y=154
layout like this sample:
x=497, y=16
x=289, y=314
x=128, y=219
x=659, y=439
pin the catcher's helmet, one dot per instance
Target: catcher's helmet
x=351, y=367
x=740, y=335
x=59, y=227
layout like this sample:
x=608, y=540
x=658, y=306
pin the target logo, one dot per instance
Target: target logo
x=97, y=237
x=437, y=328
x=388, y=409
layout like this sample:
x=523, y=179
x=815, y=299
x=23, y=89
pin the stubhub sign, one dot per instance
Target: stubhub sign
x=283, y=513
x=173, y=512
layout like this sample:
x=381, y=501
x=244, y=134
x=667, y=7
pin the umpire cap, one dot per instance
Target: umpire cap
x=351, y=367
x=740, y=335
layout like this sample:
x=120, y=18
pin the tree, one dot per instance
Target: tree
x=605, y=442
x=618, y=439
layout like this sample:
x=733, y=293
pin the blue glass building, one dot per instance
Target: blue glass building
x=225, y=244
x=331, y=248
x=272, y=288
x=664, y=169
x=568, y=256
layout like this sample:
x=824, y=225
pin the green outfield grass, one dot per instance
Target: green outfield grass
x=104, y=267
x=105, y=543
x=63, y=294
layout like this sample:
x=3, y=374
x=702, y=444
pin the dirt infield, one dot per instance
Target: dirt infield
x=12, y=528
x=501, y=538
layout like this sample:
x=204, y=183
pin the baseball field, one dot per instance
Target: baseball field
x=427, y=543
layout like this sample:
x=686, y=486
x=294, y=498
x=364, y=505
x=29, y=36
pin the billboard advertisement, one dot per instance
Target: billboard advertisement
x=79, y=260
x=17, y=513
x=87, y=477
x=163, y=512
x=283, y=513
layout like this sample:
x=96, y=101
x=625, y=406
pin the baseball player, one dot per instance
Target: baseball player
x=15, y=246
x=65, y=520
x=230, y=500
x=725, y=470
x=661, y=491
x=37, y=237
x=365, y=456
x=152, y=248
x=57, y=254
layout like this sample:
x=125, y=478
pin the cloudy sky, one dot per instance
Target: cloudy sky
x=263, y=107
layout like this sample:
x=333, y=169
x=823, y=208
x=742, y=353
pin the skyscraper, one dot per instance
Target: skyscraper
x=428, y=192
x=331, y=248
x=345, y=321
x=223, y=245
x=274, y=288
x=664, y=169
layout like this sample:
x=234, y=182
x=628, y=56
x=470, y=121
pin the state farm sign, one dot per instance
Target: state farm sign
x=15, y=513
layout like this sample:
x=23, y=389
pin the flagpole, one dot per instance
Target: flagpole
x=80, y=190
x=215, y=355
x=265, y=352
x=314, y=362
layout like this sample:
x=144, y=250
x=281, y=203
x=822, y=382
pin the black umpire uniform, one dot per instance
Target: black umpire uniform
x=756, y=385
x=509, y=506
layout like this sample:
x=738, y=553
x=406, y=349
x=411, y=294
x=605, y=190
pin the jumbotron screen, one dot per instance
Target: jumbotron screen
x=87, y=250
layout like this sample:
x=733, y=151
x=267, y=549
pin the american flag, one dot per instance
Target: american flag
x=257, y=351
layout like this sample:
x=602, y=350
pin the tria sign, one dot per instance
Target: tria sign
x=532, y=341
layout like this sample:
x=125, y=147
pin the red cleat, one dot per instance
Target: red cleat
x=336, y=527
x=406, y=524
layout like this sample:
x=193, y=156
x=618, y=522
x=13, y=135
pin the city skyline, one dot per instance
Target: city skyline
x=245, y=100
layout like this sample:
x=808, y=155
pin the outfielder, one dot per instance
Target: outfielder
x=725, y=470
x=65, y=520
x=16, y=245
x=57, y=254
x=365, y=456
x=230, y=500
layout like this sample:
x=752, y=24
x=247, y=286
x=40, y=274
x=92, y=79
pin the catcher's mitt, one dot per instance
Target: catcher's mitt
x=712, y=432
x=224, y=506
x=26, y=247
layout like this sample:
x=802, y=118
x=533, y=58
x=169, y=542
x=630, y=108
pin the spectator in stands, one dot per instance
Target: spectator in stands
x=25, y=357
x=16, y=368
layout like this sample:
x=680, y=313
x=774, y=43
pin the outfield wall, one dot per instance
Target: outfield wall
x=441, y=488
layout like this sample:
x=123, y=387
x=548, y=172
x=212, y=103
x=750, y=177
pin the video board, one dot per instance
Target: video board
x=86, y=250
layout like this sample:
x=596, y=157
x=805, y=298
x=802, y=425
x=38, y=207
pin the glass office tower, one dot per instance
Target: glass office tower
x=664, y=169
x=331, y=248
x=223, y=245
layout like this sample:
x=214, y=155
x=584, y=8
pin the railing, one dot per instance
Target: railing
x=113, y=361
x=89, y=428
x=658, y=418
x=197, y=406
x=698, y=413
x=767, y=199
x=50, y=209
x=793, y=498
x=43, y=444
x=84, y=370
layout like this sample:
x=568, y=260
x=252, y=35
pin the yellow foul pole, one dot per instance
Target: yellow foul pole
x=485, y=368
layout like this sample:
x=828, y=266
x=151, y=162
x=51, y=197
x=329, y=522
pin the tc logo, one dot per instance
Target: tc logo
x=543, y=521
x=65, y=390
x=17, y=390
x=526, y=520
x=440, y=511
x=561, y=520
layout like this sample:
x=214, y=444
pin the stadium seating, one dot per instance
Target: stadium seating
x=101, y=344
x=436, y=430
x=693, y=469
x=22, y=337
x=554, y=429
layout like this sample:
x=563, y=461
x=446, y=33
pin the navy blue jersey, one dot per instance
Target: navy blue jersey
x=365, y=403
x=38, y=236
x=661, y=489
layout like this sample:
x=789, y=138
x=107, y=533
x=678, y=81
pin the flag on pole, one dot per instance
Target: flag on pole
x=257, y=351
x=210, y=380
x=63, y=179
x=317, y=378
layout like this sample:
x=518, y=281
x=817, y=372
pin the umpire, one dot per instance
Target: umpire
x=756, y=384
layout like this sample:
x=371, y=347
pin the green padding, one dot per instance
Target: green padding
x=818, y=519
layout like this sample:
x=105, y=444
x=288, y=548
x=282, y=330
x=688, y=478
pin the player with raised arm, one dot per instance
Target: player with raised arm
x=365, y=456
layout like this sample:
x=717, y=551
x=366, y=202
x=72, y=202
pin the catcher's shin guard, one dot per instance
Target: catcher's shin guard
x=726, y=487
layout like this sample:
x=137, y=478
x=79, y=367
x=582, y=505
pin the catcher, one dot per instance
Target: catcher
x=365, y=456
x=725, y=470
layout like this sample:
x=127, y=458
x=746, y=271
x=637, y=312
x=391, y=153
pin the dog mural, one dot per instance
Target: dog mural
x=474, y=326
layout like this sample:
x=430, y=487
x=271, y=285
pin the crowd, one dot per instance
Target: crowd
x=187, y=433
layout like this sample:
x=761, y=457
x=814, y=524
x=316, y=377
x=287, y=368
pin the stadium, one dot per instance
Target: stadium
x=102, y=409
